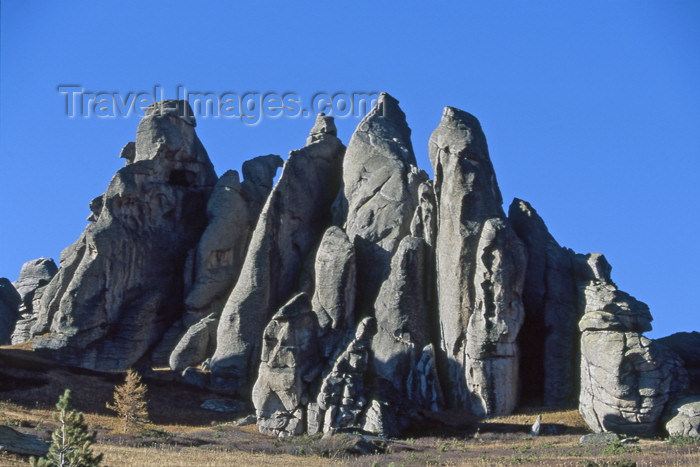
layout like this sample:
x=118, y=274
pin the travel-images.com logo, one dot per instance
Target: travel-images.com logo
x=249, y=107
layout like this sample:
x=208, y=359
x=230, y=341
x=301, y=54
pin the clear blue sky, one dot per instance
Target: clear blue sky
x=591, y=109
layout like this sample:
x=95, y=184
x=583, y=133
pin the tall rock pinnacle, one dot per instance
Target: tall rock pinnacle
x=293, y=220
x=480, y=271
x=380, y=183
x=119, y=286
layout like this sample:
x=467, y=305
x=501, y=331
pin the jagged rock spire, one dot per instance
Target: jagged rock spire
x=380, y=184
x=233, y=211
x=295, y=216
x=480, y=271
x=120, y=285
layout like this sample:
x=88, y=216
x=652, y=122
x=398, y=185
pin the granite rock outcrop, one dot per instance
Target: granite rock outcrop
x=480, y=271
x=626, y=379
x=354, y=293
x=549, y=337
x=10, y=300
x=120, y=286
x=296, y=214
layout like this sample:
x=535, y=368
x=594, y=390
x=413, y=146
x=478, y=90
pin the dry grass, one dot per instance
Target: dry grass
x=183, y=434
x=187, y=457
x=526, y=416
x=226, y=444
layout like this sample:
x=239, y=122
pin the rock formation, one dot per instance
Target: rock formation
x=549, y=337
x=687, y=346
x=380, y=188
x=295, y=216
x=33, y=279
x=120, y=285
x=626, y=379
x=480, y=271
x=355, y=294
x=342, y=398
x=20, y=443
x=289, y=362
x=685, y=418
x=403, y=330
x=334, y=294
x=232, y=210
x=34, y=274
x=10, y=300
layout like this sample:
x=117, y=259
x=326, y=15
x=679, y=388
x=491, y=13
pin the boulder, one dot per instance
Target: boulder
x=480, y=272
x=289, y=363
x=380, y=190
x=10, y=301
x=626, y=379
x=120, y=286
x=196, y=345
x=224, y=405
x=685, y=418
x=549, y=336
x=20, y=443
x=296, y=214
x=597, y=439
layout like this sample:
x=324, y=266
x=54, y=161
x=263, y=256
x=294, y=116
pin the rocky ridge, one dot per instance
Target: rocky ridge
x=355, y=293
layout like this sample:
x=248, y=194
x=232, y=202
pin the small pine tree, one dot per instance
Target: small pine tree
x=71, y=441
x=130, y=401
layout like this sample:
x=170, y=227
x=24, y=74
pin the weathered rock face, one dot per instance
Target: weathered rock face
x=549, y=337
x=295, y=216
x=354, y=294
x=232, y=210
x=380, y=184
x=424, y=222
x=289, y=363
x=32, y=281
x=687, y=346
x=342, y=398
x=626, y=379
x=120, y=285
x=403, y=331
x=685, y=418
x=480, y=271
x=334, y=295
x=34, y=274
x=9, y=309
x=19, y=443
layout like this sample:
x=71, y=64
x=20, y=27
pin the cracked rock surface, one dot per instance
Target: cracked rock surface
x=626, y=379
x=480, y=271
x=120, y=285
